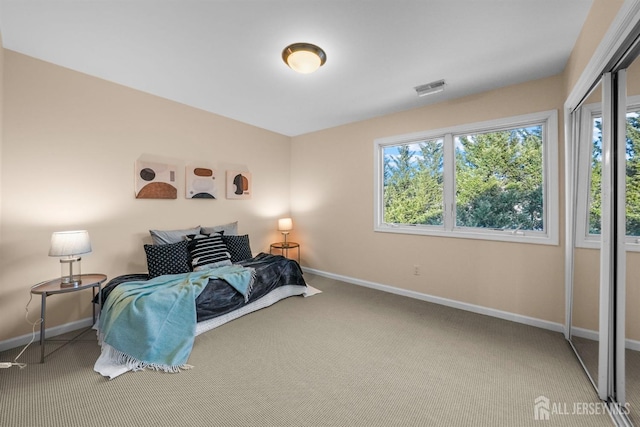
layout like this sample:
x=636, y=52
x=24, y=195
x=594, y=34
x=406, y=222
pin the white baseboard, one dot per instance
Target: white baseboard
x=531, y=321
x=593, y=335
x=49, y=333
x=585, y=333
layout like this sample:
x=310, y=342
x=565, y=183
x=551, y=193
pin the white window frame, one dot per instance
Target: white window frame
x=550, y=234
x=583, y=238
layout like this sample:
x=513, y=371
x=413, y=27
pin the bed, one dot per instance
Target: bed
x=222, y=289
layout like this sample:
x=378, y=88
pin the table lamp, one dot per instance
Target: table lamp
x=68, y=245
x=285, y=225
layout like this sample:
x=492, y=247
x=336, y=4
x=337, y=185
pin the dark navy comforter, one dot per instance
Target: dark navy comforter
x=220, y=298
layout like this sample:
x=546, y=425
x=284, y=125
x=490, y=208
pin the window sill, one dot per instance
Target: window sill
x=531, y=237
x=632, y=245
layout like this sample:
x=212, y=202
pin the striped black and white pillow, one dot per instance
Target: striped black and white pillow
x=208, y=252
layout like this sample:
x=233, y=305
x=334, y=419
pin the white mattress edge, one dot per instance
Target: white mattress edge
x=272, y=297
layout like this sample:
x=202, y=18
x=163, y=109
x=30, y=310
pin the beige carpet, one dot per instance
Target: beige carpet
x=350, y=356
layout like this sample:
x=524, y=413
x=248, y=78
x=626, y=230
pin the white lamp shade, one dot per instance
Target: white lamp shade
x=285, y=224
x=69, y=243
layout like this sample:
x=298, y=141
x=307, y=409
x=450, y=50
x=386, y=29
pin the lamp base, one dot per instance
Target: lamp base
x=285, y=244
x=71, y=272
x=66, y=283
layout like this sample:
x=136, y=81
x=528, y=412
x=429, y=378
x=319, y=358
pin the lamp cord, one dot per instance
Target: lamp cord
x=33, y=334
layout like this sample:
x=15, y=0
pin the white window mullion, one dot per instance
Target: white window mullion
x=449, y=183
x=551, y=180
x=378, y=184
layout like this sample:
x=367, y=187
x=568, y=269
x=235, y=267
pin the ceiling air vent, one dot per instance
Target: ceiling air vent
x=430, y=88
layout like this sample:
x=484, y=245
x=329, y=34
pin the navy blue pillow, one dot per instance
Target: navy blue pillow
x=170, y=258
x=238, y=247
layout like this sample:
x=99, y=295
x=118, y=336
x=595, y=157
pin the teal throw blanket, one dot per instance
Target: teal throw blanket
x=151, y=324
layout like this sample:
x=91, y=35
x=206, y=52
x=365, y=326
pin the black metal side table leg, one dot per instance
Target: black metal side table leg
x=42, y=325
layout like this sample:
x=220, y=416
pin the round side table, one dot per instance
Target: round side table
x=284, y=248
x=53, y=287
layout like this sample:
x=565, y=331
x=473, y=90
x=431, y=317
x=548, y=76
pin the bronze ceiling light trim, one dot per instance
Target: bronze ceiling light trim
x=304, y=58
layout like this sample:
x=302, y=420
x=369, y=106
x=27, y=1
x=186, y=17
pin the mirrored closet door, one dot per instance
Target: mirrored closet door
x=602, y=172
x=585, y=318
x=597, y=178
x=630, y=378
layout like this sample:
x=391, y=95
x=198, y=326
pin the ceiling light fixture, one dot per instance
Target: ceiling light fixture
x=304, y=58
x=430, y=88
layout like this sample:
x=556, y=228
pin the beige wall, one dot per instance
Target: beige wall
x=601, y=15
x=68, y=152
x=332, y=202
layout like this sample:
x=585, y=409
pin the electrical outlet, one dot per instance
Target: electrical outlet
x=416, y=270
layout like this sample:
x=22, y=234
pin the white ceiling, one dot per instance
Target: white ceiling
x=224, y=56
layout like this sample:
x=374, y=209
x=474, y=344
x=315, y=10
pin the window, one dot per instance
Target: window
x=589, y=198
x=493, y=180
x=413, y=180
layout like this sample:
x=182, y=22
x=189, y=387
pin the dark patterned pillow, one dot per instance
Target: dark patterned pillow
x=208, y=252
x=238, y=247
x=170, y=258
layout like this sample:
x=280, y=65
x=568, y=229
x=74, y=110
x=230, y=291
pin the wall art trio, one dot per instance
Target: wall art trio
x=158, y=180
